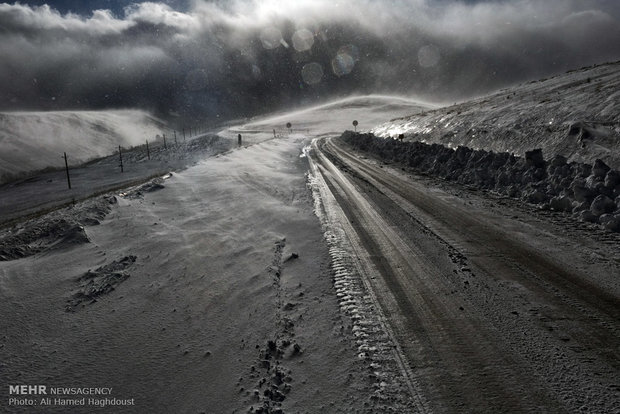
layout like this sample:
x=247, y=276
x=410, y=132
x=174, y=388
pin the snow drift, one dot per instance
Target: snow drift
x=328, y=119
x=32, y=141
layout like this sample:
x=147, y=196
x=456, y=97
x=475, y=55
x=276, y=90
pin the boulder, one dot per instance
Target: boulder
x=604, y=218
x=536, y=197
x=599, y=188
x=558, y=161
x=561, y=203
x=587, y=216
x=579, y=207
x=462, y=154
x=612, y=179
x=592, y=180
x=601, y=205
x=534, y=158
x=580, y=191
x=613, y=224
x=503, y=179
x=583, y=170
x=565, y=182
x=600, y=169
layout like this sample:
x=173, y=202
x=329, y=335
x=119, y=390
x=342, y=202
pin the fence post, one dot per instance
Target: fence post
x=165, y=147
x=148, y=153
x=67, y=170
x=120, y=154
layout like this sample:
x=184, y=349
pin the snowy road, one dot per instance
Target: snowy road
x=209, y=291
x=218, y=290
x=491, y=311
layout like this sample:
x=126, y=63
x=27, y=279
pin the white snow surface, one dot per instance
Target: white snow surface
x=213, y=281
x=576, y=114
x=328, y=119
x=174, y=297
x=32, y=141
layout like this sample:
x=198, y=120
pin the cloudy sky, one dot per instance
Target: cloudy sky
x=223, y=59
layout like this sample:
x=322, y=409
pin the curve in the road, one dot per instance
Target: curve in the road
x=487, y=322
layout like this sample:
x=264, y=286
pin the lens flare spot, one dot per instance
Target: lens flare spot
x=350, y=50
x=271, y=37
x=303, y=40
x=342, y=64
x=428, y=56
x=312, y=73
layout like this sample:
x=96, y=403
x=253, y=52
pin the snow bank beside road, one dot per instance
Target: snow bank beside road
x=590, y=192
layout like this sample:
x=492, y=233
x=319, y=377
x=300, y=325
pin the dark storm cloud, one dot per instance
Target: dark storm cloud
x=243, y=57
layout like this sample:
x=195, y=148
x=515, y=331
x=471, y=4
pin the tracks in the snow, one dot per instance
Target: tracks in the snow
x=485, y=322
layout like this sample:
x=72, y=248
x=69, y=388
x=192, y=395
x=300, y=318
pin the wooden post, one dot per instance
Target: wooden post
x=239, y=139
x=67, y=169
x=165, y=147
x=175, y=136
x=148, y=153
x=183, y=134
x=120, y=154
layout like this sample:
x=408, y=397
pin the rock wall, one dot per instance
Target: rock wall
x=590, y=192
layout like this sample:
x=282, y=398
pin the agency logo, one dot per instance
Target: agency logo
x=28, y=389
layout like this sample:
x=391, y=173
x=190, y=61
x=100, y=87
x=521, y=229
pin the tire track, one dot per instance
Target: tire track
x=459, y=324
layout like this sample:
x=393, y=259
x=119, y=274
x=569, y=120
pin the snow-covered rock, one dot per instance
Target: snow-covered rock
x=587, y=216
x=613, y=223
x=561, y=203
x=586, y=190
x=601, y=205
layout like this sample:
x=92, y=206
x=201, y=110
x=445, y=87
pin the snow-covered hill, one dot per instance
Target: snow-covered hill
x=576, y=115
x=35, y=140
x=328, y=119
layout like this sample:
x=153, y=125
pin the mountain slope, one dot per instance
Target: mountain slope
x=576, y=115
